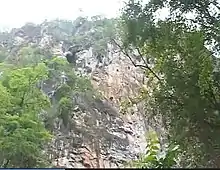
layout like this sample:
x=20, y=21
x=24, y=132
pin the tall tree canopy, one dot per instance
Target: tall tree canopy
x=181, y=50
x=22, y=133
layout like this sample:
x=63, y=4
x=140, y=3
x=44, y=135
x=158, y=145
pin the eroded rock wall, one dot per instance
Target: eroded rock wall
x=105, y=137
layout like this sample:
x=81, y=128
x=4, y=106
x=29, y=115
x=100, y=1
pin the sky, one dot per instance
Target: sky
x=15, y=13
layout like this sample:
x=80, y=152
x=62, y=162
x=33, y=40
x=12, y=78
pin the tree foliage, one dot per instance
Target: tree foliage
x=85, y=32
x=67, y=85
x=154, y=157
x=95, y=32
x=185, y=86
x=22, y=133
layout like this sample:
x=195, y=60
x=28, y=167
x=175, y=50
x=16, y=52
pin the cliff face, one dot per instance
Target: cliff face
x=106, y=137
x=98, y=135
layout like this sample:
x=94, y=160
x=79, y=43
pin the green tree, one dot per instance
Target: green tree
x=66, y=85
x=95, y=32
x=29, y=55
x=154, y=158
x=22, y=133
x=181, y=70
x=3, y=54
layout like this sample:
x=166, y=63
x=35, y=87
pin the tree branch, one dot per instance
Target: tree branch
x=214, y=102
x=137, y=65
x=212, y=125
x=139, y=52
x=5, y=165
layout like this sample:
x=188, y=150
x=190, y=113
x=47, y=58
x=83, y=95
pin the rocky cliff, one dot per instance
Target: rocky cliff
x=110, y=137
x=98, y=135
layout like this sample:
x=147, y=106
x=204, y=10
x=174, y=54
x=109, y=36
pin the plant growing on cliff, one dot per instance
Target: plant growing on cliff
x=154, y=157
x=185, y=79
x=25, y=56
x=3, y=54
x=95, y=32
x=22, y=133
x=67, y=86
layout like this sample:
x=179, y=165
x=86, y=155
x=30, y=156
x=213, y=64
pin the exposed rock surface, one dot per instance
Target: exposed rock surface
x=98, y=135
x=106, y=137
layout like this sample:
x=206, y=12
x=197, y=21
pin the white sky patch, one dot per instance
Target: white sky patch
x=15, y=13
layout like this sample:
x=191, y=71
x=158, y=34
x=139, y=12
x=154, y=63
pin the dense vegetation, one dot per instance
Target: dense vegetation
x=180, y=60
x=179, y=56
x=22, y=133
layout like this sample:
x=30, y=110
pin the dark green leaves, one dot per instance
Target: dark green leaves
x=187, y=96
x=22, y=135
x=154, y=158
